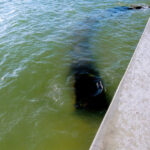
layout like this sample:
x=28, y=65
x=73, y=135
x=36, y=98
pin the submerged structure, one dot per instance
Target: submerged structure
x=88, y=86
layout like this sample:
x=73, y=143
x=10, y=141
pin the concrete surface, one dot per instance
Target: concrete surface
x=126, y=125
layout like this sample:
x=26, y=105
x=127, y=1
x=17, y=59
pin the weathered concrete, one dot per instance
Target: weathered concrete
x=126, y=125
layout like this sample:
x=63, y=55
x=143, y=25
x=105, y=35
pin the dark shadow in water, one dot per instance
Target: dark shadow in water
x=88, y=86
x=119, y=11
x=90, y=112
x=92, y=115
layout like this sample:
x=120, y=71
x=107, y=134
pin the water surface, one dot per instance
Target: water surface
x=36, y=93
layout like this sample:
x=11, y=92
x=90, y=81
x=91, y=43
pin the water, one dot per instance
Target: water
x=36, y=93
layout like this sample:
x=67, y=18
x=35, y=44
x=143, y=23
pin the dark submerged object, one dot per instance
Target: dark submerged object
x=126, y=8
x=132, y=7
x=119, y=10
x=88, y=86
x=138, y=7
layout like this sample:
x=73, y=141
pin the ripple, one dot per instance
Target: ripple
x=36, y=39
x=4, y=59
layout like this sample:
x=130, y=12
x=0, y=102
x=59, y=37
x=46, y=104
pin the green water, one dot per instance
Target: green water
x=36, y=94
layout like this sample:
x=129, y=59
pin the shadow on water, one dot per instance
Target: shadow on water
x=90, y=114
x=88, y=86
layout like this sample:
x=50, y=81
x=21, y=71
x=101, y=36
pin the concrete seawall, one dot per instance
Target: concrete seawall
x=126, y=125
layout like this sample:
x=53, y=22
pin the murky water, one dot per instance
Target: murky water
x=36, y=94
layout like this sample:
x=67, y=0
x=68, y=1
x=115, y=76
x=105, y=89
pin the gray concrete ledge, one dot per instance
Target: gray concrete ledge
x=126, y=125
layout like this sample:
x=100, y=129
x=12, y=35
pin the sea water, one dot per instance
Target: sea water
x=36, y=93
